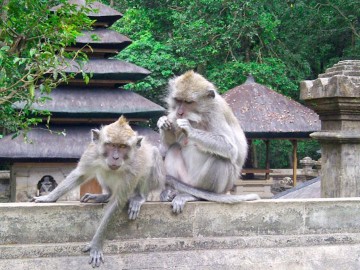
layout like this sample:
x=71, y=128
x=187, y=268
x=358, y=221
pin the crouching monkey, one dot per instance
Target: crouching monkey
x=126, y=166
x=204, y=145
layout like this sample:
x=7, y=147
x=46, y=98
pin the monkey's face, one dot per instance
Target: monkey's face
x=116, y=144
x=185, y=109
x=117, y=154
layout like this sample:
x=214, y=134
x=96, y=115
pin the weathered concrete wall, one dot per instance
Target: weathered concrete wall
x=267, y=234
x=4, y=186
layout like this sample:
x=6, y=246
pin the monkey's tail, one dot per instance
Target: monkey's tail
x=209, y=196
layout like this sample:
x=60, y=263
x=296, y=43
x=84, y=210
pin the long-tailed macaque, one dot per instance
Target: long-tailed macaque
x=127, y=167
x=204, y=145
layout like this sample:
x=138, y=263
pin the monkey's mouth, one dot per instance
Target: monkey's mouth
x=114, y=167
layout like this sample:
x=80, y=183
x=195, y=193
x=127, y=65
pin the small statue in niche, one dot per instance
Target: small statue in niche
x=46, y=184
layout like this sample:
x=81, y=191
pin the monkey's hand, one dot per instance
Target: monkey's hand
x=135, y=204
x=164, y=123
x=97, y=198
x=42, y=199
x=96, y=254
x=184, y=124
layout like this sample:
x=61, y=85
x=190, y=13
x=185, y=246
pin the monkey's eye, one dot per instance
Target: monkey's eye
x=110, y=145
x=189, y=102
x=122, y=146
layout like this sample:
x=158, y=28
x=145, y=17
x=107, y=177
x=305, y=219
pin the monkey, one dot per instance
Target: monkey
x=125, y=164
x=203, y=144
x=46, y=184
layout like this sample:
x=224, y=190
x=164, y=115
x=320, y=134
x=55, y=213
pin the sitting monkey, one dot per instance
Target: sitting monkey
x=126, y=166
x=204, y=145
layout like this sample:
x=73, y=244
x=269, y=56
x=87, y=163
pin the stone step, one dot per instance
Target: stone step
x=249, y=258
x=158, y=245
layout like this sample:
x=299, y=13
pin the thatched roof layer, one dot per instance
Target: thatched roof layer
x=75, y=102
x=264, y=113
x=44, y=145
x=108, y=69
x=104, y=39
x=103, y=14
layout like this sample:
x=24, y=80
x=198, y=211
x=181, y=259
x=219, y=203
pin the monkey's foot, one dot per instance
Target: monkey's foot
x=135, y=204
x=97, y=198
x=168, y=195
x=96, y=255
x=178, y=203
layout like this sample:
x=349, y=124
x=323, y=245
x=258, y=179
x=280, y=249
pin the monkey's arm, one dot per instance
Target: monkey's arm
x=209, y=141
x=96, y=245
x=138, y=199
x=75, y=178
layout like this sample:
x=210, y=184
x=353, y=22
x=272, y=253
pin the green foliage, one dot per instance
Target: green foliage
x=278, y=42
x=280, y=152
x=32, y=55
x=151, y=54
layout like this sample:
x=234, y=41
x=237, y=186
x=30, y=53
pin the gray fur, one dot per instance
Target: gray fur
x=203, y=143
x=127, y=174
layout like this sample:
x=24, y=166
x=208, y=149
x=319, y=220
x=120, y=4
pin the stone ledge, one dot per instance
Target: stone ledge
x=24, y=223
x=266, y=234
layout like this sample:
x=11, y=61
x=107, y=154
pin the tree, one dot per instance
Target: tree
x=280, y=42
x=33, y=40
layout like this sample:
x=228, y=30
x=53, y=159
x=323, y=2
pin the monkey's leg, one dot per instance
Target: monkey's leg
x=135, y=204
x=175, y=165
x=96, y=245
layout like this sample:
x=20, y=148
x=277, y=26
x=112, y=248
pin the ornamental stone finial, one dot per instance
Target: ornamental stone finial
x=335, y=96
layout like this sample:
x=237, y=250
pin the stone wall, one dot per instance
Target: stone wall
x=267, y=234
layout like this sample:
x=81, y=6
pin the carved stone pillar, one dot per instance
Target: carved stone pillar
x=335, y=96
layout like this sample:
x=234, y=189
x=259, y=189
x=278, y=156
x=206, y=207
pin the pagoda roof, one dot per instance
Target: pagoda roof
x=264, y=113
x=107, y=42
x=63, y=143
x=97, y=103
x=106, y=72
x=105, y=15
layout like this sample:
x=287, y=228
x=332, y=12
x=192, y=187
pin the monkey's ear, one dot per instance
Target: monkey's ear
x=211, y=93
x=95, y=135
x=138, y=141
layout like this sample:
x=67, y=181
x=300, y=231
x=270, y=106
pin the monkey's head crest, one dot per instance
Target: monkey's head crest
x=190, y=86
x=122, y=121
x=119, y=131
